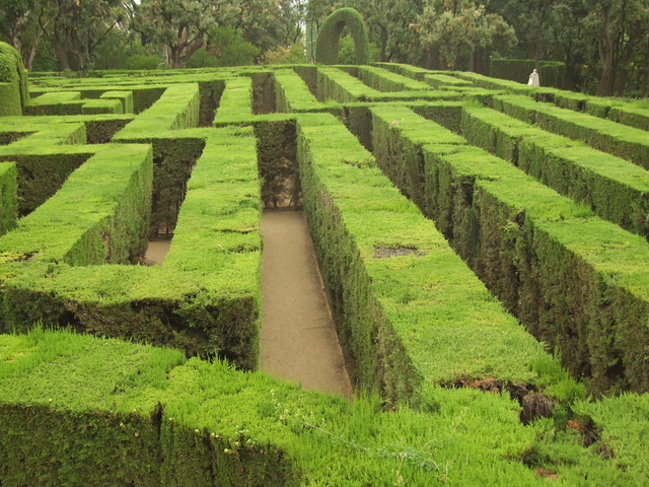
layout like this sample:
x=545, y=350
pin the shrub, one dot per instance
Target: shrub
x=329, y=36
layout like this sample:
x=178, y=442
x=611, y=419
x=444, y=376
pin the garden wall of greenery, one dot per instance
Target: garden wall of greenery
x=483, y=244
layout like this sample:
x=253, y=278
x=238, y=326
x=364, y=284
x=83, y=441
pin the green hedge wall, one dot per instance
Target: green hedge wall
x=56, y=103
x=625, y=142
x=125, y=414
x=546, y=258
x=125, y=98
x=8, y=196
x=13, y=82
x=191, y=305
x=44, y=159
x=100, y=214
x=386, y=81
x=615, y=189
x=292, y=95
x=236, y=100
x=399, y=293
x=174, y=154
x=335, y=84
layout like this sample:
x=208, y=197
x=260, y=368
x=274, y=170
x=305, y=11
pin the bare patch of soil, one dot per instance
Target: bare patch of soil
x=534, y=404
x=387, y=252
x=156, y=252
x=298, y=337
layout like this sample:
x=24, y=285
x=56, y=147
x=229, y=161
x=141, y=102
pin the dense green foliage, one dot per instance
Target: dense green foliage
x=329, y=37
x=145, y=415
x=519, y=236
x=604, y=44
x=449, y=387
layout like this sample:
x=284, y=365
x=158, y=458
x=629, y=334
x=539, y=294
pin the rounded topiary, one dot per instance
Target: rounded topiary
x=327, y=44
x=13, y=81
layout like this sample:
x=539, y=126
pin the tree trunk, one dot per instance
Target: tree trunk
x=384, y=43
x=624, y=72
x=32, y=51
x=605, y=46
x=62, y=55
x=537, y=42
x=175, y=56
x=645, y=77
x=605, y=87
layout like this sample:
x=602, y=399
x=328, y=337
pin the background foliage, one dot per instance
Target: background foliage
x=604, y=43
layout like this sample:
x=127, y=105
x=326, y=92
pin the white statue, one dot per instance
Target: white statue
x=534, y=79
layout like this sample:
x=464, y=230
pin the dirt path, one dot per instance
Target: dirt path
x=298, y=339
x=156, y=252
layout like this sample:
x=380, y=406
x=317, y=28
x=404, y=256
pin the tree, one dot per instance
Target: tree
x=77, y=27
x=457, y=27
x=388, y=24
x=643, y=37
x=604, y=23
x=534, y=22
x=178, y=25
x=269, y=23
x=19, y=22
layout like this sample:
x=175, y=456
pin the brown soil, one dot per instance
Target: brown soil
x=387, y=252
x=156, y=252
x=298, y=338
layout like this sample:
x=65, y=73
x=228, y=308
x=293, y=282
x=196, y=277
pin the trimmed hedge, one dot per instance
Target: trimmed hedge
x=292, y=95
x=329, y=36
x=410, y=313
x=415, y=318
x=615, y=189
x=443, y=81
x=44, y=160
x=56, y=103
x=190, y=305
x=9, y=196
x=413, y=72
x=177, y=108
x=386, y=81
x=335, y=84
x=102, y=106
x=10, y=97
x=625, y=142
x=143, y=95
x=100, y=214
x=631, y=114
x=125, y=413
x=496, y=84
x=574, y=280
x=125, y=98
x=174, y=154
x=14, y=89
x=236, y=100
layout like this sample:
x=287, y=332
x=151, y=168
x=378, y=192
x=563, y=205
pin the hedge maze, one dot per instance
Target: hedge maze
x=483, y=244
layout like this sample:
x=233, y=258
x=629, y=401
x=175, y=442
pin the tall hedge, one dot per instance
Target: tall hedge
x=8, y=196
x=329, y=36
x=13, y=81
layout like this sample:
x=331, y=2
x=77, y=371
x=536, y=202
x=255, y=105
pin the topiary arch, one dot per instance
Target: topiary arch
x=13, y=81
x=327, y=44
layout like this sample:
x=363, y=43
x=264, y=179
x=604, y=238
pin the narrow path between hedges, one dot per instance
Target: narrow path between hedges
x=298, y=338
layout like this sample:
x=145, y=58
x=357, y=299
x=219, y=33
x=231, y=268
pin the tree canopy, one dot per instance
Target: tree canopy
x=604, y=43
